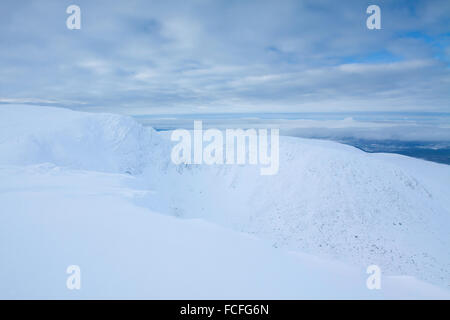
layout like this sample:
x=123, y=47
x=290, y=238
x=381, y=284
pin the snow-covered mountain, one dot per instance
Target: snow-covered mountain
x=100, y=191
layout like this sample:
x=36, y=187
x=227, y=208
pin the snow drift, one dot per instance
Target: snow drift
x=85, y=187
x=102, y=142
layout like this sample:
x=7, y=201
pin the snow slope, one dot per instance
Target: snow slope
x=103, y=142
x=89, y=189
x=328, y=199
x=54, y=217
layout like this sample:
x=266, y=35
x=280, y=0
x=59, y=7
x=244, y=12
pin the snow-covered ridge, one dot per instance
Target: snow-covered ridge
x=102, y=142
x=327, y=200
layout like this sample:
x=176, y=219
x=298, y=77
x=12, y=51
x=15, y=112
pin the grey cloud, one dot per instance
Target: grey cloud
x=181, y=56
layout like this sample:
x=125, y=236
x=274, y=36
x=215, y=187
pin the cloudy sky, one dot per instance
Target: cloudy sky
x=199, y=56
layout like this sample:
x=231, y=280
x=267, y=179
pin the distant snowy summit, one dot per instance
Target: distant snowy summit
x=100, y=191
